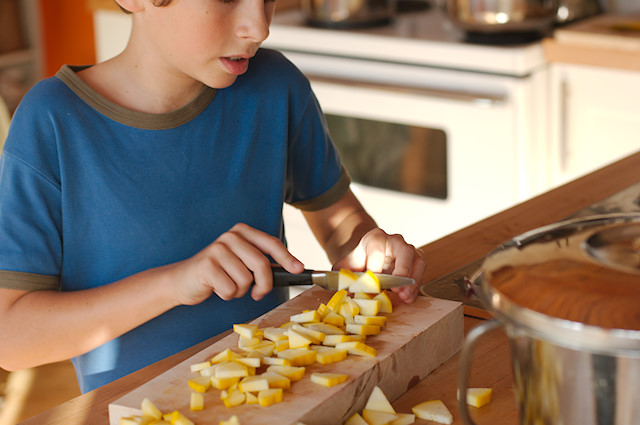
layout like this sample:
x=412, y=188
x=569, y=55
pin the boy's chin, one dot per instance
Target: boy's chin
x=221, y=83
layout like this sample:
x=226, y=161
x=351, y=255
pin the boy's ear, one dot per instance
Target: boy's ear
x=131, y=6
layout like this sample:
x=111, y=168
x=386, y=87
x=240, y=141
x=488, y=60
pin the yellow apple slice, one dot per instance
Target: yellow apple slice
x=373, y=417
x=378, y=401
x=433, y=410
x=270, y=396
x=196, y=402
x=333, y=318
x=358, y=329
x=370, y=320
x=356, y=419
x=385, y=303
x=404, y=419
x=478, y=397
x=338, y=298
x=149, y=409
x=357, y=348
x=245, y=330
x=253, y=383
x=368, y=307
x=367, y=282
x=328, y=379
x=306, y=317
x=200, y=383
x=298, y=356
x=346, y=278
x=294, y=373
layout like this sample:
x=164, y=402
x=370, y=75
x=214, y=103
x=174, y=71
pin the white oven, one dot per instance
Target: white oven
x=436, y=133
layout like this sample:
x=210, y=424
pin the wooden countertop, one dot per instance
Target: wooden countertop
x=491, y=359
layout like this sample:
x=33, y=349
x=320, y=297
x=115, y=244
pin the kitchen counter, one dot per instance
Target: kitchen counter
x=491, y=360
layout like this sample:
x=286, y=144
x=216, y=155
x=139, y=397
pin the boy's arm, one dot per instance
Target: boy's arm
x=352, y=240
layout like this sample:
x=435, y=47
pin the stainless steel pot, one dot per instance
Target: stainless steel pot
x=347, y=13
x=500, y=16
x=568, y=297
x=573, y=10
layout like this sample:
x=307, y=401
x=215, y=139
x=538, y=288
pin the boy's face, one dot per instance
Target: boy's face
x=210, y=41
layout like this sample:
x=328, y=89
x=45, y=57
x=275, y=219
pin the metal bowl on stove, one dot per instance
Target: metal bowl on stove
x=343, y=14
x=502, y=16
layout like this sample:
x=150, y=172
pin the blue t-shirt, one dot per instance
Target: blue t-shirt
x=91, y=193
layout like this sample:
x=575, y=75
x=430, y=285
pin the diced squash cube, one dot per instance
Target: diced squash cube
x=373, y=417
x=276, y=380
x=478, y=397
x=385, y=303
x=245, y=330
x=362, y=295
x=266, y=348
x=275, y=334
x=346, y=278
x=234, y=397
x=251, y=398
x=298, y=356
x=199, y=366
x=333, y=318
x=357, y=348
x=368, y=307
x=223, y=383
x=338, y=298
x=370, y=320
x=326, y=355
x=332, y=340
x=316, y=337
x=358, y=329
x=306, y=317
x=297, y=340
x=137, y=420
x=149, y=409
x=325, y=328
x=356, y=419
x=404, y=419
x=433, y=410
x=346, y=312
x=328, y=379
x=270, y=396
x=367, y=282
x=250, y=361
x=276, y=361
x=233, y=420
x=253, y=383
x=282, y=345
x=224, y=356
x=196, y=402
x=294, y=373
x=200, y=383
x=231, y=370
x=177, y=418
x=287, y=325
x=378, y=401
x=247, y=344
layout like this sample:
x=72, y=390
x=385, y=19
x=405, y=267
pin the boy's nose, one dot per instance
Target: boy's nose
x=254, y=23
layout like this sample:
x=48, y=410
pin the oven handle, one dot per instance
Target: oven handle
x=479, y=99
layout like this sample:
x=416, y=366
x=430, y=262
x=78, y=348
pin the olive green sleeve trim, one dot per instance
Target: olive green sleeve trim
x=329, y=197
x=27, y=281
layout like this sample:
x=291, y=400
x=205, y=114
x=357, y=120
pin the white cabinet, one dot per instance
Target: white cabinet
x=594, y=116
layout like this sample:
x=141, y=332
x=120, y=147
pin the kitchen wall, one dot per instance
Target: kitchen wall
x=622, y=6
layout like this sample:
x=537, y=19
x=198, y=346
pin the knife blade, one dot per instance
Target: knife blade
x=329, y=279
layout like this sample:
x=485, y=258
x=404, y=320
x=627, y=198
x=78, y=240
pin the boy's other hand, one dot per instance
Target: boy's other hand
x=230, y=265
x=384, y=253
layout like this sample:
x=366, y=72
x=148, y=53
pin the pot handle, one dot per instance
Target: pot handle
x=465, y=366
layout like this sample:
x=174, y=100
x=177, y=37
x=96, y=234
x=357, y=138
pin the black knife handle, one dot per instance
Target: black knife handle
x=281, y=277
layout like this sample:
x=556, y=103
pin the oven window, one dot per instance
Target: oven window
x=392, y=156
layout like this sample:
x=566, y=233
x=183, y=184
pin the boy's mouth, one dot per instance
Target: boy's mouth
x=236, y=64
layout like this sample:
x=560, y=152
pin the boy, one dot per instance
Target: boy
x=116, y=178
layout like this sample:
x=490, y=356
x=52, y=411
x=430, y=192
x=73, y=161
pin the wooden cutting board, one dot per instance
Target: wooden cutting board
x=418, y=338
x=615, y=32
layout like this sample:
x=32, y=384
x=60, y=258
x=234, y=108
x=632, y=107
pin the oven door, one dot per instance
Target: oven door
x=425, y=160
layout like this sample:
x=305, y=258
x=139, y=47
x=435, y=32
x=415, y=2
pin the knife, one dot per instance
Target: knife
x=329, y=279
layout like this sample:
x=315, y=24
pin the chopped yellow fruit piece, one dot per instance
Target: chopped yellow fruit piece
x=250, y=361
x=231, y=370
x=247, y=344
x=251, y=398
x=385, y=303
x=332, y=340
x=433, y=410
x=478, y=397
x=306, y=317
x=177, y=418
x=297, y=340
x=338, y=298
x=333, y=318
x=316, y=337
x=373, y=417
x=356, y=419
x=270, y=396
x=294, y=373
x=346, y=312
x=197, y=402
x=275, y=334
x=325, y=328
x=287, y=325
x=223, y=383
x=245, y=330
x=358, y=329
x=171, y=417
x=276, y=361
x=276, y=380
x=199, y=366
x=354, y=307
x=368, y=307
x=328, y=379
x=253, y=383
x=299, y=356
x=265, y=347
x=362, y=295
x=233, y=420
x=200, y=383
x=149, y=409
x=370, y=320
x=326, y=355
x=404, y=419
x=137, y=420
x=346, y=278
x=224, y=356
x=367, y=282
x=282, y=345
x=357, y=348
x=378, y=401
x=234, y=397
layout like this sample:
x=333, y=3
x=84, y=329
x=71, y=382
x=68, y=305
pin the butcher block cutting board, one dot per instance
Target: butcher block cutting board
x=418, y=338
x=615, y=32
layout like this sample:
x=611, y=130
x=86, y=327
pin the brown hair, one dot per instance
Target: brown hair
x=157, y=3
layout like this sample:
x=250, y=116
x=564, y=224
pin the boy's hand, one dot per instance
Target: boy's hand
x=230, y=265
x=383, y=253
